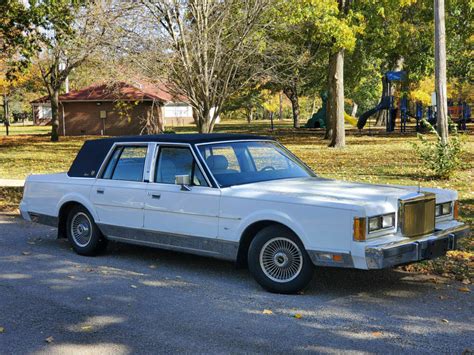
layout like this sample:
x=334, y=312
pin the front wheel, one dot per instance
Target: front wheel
x=278, y=261
x=83, y=233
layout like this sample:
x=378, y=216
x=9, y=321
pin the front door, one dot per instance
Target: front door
x=119, y=193
x=173, y=211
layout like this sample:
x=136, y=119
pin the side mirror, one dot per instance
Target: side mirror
x=184, y=181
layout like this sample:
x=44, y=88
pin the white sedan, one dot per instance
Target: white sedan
x=242, y=198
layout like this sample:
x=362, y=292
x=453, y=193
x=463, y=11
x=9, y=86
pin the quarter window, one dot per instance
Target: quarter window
x=126, y=163
x=174, y=161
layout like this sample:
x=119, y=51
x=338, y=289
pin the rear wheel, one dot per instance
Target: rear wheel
x=83, y=233
x=278, y=261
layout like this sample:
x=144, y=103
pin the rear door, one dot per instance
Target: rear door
x=119, y=193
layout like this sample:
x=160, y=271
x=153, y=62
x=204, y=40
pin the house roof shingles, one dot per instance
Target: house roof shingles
x=117, y=91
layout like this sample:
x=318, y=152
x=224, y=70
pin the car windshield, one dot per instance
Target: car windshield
x=236, y=163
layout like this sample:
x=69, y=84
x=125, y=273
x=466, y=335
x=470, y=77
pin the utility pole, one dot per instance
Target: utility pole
x=440, y=71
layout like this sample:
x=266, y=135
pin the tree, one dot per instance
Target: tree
x=334, y=27
x=213, y=47
x=72, y=33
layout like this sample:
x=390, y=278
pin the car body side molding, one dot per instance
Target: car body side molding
x=213, y=247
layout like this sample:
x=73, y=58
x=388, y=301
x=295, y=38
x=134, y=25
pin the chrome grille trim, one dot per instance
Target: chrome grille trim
x=417, y=215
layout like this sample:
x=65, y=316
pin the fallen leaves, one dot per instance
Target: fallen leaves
x=298, y=315
x=377, y=334
x=267, y=311
x=444, y=320
x=26, y=253
x=133, y=286
x=2, y=330
x=464, y=289
x=87, y=328
x=152, y=266
x=49, y=340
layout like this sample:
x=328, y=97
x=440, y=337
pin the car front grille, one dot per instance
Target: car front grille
x=417, y=215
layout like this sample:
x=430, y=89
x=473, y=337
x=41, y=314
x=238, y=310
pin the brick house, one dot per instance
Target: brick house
x=118, y=109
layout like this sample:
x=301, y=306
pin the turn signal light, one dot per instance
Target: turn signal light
x=456, y=209
x=360, y=229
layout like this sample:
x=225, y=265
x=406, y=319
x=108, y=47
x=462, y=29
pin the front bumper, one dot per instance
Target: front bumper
x=411, y=250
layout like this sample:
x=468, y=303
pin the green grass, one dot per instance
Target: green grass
x=377, y=158
x=17, y=128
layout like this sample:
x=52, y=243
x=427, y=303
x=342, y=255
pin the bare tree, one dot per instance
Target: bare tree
x=440, y=71
x=211, y=45
x=66, y=47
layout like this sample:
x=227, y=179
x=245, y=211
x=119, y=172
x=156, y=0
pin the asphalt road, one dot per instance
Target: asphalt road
x=142, y=300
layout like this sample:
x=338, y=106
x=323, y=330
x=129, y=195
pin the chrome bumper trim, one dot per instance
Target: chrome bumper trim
x=408, y=251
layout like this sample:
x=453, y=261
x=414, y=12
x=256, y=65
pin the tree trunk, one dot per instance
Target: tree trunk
x=54, y=99
x=382, y=116
x=6, y=114
x=280, y=113
x=5, y=108
x=336, y=97
x=354, y=109
x=250, y=116
x=329, y=124
x=440, y=71
x=387, y=90
x=292, y=94
x=204, y=117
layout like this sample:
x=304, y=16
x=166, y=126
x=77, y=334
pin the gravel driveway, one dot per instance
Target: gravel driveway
x=142, y=300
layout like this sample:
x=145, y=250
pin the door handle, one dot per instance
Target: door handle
x=100, y=191
x=156, y=196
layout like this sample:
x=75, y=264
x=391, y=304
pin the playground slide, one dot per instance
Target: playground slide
x=383, y=105
x=349, y=119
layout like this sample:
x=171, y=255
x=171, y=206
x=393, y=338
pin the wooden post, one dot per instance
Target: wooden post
x=440, y=71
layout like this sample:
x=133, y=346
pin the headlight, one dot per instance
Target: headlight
x=443, y=209
x=384, y=221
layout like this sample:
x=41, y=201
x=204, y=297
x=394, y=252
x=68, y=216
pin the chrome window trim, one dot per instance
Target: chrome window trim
x=247, y=140
x=158, y=145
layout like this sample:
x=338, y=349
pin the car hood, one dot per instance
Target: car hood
x=334, y=193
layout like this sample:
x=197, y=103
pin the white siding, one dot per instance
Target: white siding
x=178, y=110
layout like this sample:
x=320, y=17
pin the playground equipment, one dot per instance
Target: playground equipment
x=386, y=102
x=460, y=113
x=318, y=119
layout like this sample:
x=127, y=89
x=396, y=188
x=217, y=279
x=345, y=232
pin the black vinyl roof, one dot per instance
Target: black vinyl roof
x=185, y=138
x=89, y=159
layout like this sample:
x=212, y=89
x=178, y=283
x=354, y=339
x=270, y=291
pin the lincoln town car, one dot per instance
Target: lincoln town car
x=243, y=198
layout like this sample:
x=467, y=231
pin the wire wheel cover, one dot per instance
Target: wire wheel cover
x=81, y=229
x=281, y=260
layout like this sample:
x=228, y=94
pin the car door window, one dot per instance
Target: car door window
x=126, y=163
x=174, y=161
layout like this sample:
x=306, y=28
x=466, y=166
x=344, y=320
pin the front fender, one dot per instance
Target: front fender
x=275, y=216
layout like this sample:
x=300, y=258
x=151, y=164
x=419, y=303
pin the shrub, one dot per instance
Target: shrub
x=441, y=159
